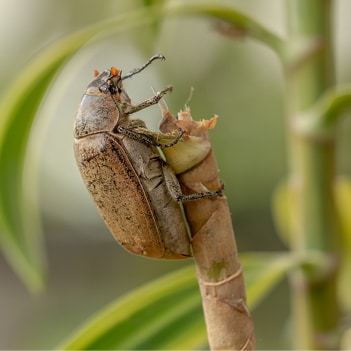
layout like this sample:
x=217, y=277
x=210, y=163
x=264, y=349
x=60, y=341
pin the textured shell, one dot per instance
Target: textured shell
x=96, y=113
x=125, y=179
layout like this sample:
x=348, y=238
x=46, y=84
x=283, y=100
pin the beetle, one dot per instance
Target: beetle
x=134, y=189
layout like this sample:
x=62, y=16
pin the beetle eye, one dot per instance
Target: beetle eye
x=113, y=89
x=109, y=87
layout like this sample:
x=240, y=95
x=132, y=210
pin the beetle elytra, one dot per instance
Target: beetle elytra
x=132, y=187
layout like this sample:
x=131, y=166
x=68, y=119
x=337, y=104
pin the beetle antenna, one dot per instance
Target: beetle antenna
x=150, y=60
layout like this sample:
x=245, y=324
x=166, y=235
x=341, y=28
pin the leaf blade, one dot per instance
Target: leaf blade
x=20, y=229
x=167, y=313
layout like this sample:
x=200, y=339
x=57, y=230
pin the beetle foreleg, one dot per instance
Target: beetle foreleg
x=129, y=109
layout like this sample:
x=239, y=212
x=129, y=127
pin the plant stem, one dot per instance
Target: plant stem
x=219, y=271
x=312, y=160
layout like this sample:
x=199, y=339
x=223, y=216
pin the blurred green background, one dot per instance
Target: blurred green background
x=240, y=80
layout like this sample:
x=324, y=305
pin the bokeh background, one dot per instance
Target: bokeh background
x=239, y=80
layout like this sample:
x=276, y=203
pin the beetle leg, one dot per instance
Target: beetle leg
x=138, y=136
x=175, y=141
x=153, y=100
x=150, y=138
x=175, y=190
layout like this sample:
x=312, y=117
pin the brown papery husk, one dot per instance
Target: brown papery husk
x=219, y=271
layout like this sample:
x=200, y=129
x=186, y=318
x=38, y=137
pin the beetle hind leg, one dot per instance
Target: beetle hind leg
x=175, y=190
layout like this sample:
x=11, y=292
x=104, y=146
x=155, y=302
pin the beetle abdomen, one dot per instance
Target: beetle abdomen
x=117, y=187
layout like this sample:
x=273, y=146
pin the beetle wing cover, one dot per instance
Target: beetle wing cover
x=118, y=194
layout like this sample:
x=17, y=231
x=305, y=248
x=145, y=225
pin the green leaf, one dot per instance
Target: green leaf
x=167, y=313
x=20, y=230
x=263, y=271
x=239, y=24
x=320, y=120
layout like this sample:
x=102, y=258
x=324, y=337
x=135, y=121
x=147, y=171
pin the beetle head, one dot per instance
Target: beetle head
x=105, y=102
x=102, y=104
x=109, y=82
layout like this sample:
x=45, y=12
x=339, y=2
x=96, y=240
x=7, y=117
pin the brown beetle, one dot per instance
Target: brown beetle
x=135, y=191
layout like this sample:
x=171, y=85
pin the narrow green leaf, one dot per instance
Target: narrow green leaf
x=242, y=25
x=164, y=314
x=20, y=231
x=263, y=271
x=167, y=313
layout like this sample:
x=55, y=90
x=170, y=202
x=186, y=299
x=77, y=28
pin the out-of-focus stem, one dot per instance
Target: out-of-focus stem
x=312, y=173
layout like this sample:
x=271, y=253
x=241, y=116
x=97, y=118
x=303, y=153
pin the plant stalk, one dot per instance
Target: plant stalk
x=219, y=271
x=309, y=73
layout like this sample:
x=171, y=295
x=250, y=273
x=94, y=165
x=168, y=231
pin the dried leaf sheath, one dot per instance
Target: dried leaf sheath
x=219, y=271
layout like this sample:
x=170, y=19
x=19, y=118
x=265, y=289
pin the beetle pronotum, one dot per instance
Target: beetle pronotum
x=135, y=191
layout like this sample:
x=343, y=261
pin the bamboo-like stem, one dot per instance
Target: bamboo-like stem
x=314, y=302
x=219, y=271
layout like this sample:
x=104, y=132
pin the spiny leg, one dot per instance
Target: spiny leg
x=175, y=190
x=148, y=137
x=153, y=100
